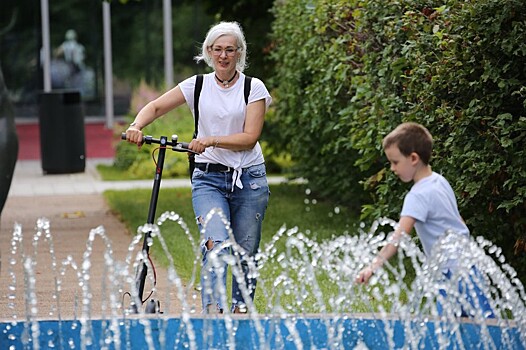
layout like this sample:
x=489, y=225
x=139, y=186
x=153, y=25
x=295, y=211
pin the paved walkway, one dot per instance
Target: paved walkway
x=74, y=206
x=29, y=180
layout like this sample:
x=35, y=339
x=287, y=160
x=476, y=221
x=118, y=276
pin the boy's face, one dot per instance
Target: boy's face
x=404, y=167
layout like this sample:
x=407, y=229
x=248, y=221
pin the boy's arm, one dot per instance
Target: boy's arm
x=405, y=225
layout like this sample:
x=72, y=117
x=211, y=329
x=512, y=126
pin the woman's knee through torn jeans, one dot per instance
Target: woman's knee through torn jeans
x=244, y=209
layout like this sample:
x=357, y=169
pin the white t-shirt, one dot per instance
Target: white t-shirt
x=432, y=203
x=222, y=112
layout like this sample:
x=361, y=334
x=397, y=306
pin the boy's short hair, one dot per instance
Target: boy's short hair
x=411, y=137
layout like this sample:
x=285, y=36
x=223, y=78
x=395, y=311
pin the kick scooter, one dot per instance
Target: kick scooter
x=153, y=306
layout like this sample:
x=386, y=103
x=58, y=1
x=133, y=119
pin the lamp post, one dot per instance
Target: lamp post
x=108, y=68
x=45, y=51
x=168, y=44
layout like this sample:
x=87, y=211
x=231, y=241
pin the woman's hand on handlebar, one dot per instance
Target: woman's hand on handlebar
x=134, y=135
x=199, y=145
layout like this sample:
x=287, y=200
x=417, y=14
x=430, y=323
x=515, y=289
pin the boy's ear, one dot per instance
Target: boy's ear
x=415, y=158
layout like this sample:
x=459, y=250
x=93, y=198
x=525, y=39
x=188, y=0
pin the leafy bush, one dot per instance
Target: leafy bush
x=348, y=72
x=139, y=164
x=314, y=84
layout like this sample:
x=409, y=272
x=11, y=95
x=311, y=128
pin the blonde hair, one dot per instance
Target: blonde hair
x=221, y=29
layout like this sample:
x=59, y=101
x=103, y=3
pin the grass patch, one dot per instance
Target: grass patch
x=290, y=206
x=287, y=206
x=111, y=173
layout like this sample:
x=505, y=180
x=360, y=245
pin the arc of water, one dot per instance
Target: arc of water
x=418, y=316
x=42, y=229
x=128, y=262
x=217, y=262
x=284, y=261
x=496, y=280
x=31, y=307
x=237, y=271
x=70, y=262
x=110, y=273
x=174, y=217
x=287, y=262
x=175, y=279
x=16, y=246
x=142, y=260
x=355, y=255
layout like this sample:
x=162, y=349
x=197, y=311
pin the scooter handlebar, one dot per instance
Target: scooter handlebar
x=173, y=144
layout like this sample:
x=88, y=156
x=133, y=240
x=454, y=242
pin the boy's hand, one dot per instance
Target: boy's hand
x=364, y=275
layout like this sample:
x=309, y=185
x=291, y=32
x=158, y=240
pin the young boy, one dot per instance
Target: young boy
x=430, y=206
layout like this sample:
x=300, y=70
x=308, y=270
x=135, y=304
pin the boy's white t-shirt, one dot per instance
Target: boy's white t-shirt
x=432, y=203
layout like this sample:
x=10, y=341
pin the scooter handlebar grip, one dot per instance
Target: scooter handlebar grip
x=123, y=137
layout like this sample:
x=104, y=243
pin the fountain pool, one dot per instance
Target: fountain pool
x=308, y=298
x=309, y=332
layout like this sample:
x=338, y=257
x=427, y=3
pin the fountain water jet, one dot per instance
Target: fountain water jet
x=397, y=310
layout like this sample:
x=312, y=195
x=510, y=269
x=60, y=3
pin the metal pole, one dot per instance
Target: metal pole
x=168, y=44
x=45, y=51
x=108, y=69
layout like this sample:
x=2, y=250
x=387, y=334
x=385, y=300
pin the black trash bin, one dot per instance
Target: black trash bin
x=62, y=140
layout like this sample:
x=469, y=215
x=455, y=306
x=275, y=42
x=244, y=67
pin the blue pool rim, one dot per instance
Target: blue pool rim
x=211, y=333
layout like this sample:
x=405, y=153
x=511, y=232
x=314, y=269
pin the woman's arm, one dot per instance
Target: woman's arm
x=254, y=120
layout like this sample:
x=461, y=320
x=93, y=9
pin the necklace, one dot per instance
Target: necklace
x=226, y=83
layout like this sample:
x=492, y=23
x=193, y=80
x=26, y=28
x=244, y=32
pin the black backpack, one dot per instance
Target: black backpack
x=197, y=93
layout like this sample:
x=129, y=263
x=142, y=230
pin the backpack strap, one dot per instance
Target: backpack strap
x=248, y=86
x=197, y=93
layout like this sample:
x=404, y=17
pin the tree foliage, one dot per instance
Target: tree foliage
x=347, y=72
x=255, y=18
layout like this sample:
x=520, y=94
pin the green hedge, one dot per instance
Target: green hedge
x=347, y=72
x=313, y=85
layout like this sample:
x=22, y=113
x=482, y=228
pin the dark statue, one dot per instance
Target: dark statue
x=8, y=142
x=8, y=135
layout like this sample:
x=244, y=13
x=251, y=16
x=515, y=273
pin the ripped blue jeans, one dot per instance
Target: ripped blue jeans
x=244, y=210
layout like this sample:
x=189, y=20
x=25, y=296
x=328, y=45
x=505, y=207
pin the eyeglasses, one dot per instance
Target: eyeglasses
x=229, y=51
